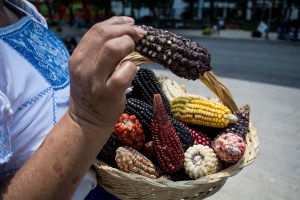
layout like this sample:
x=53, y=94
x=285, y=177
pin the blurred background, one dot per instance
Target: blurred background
x=258, y=16
x=255, y=51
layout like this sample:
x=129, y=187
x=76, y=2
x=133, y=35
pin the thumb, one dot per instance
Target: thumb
x=122, y=77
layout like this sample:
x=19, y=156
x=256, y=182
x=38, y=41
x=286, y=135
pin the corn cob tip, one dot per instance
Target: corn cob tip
x=232, y=118
x=245, y=108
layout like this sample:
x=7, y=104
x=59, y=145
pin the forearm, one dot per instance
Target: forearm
x=57, y=167
x=97, y=85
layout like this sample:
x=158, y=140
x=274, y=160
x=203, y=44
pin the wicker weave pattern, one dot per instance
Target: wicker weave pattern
x=137, y=187
x=133, y=186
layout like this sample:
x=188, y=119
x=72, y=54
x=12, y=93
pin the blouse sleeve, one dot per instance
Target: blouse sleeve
x=5, y=116
x=32, y=10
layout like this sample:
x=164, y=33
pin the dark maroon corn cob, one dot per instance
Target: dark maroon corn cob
x=168, y=149
x=199, y=136
x=185, y=58
x=144, y=112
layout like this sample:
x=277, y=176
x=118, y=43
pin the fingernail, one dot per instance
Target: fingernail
x=139, y=30
x=128, y=20
x=128, y=90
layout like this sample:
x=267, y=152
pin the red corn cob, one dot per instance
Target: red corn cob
x=168, y=149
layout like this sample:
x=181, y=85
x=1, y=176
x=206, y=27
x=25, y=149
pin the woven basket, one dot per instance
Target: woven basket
x=134, y=186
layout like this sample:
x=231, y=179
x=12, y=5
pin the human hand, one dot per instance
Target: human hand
x=98, y=81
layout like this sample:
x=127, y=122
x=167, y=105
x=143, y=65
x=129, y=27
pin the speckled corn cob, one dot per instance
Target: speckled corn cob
x=229, y=147
x=132, y=161
x=241, y=126
x=185, y=58
x=206, y=112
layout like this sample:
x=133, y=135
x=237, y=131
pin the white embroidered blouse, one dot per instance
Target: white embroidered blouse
x=34, y=92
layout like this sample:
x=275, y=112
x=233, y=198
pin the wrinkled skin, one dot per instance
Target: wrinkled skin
x=97, y=85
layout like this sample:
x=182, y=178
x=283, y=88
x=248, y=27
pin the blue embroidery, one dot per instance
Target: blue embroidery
x=54, y=110
x=42, y=49
x=49, y=57
x=33, y=100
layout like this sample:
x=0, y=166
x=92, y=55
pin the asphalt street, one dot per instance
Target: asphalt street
x=270, y=62
x=236, y=55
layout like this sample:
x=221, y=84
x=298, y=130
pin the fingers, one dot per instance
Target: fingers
x=106, y=32
x=100, y=51
x=109, y=29
x=99, y=34
x=111, y=54
x=121, y=78
x=98, y=80
x=119, y=20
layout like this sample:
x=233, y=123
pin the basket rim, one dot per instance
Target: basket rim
x=135, y=186
x=251, y=152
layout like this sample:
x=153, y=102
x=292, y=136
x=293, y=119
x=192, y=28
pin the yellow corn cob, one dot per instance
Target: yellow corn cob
x=201, y=111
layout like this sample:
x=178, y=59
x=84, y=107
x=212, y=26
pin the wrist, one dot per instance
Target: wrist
x=86, y=118
x=92, y=133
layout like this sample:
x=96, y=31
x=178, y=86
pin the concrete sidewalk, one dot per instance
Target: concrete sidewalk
x=275, y=174
x=275, y=113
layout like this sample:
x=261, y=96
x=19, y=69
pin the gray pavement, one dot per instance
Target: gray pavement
x=275, y=173
x=275, y=113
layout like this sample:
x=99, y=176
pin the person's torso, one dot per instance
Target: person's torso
x=34, y=77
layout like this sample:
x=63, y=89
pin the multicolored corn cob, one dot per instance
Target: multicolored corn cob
x=132, y=161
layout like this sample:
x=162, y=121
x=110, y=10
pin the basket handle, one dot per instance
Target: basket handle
x=208, y=78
